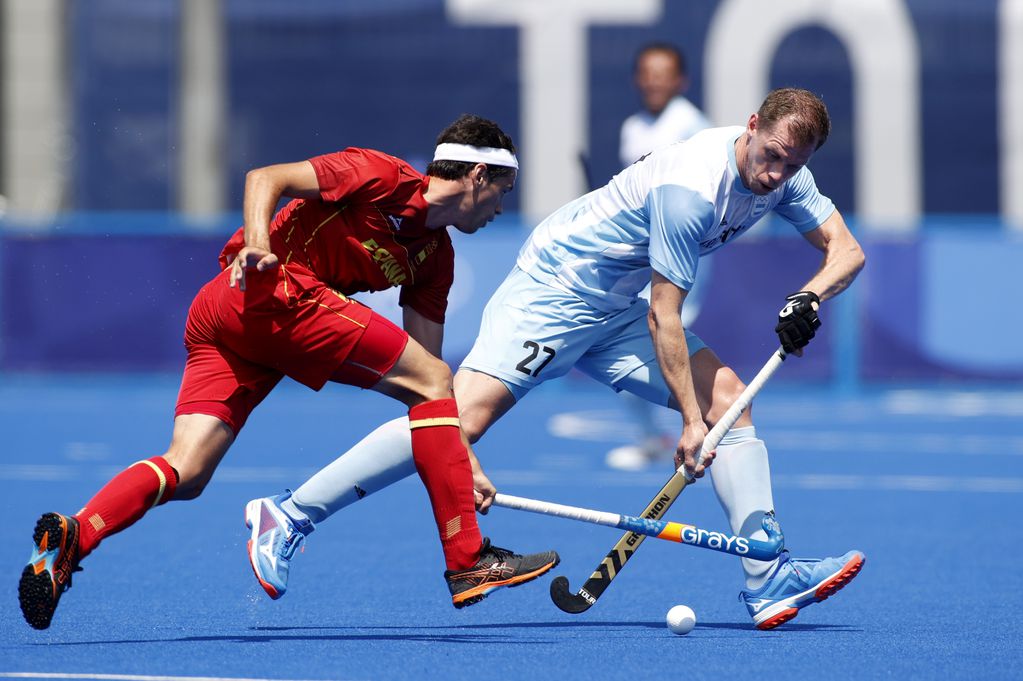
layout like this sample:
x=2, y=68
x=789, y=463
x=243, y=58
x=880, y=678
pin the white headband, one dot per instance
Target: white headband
x=470, y=154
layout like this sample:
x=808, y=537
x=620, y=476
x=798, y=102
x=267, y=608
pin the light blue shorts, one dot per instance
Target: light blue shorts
x=532, y=332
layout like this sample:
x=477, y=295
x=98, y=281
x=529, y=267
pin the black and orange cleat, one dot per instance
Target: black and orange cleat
x=48, y=573
x=496, y=568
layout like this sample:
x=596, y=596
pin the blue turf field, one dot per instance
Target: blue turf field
x=929, y=484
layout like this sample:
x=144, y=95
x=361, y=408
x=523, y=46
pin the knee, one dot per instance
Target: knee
x=474, y=423
x=727, y=389
x=434, y=381
x=192, y=477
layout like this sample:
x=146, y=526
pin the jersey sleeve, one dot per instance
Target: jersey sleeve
x=356, y=174
x=679, y=217
x=802, y=204
x=430, y=297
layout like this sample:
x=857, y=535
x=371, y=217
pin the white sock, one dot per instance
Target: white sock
x=742, y=481
x=382, y=458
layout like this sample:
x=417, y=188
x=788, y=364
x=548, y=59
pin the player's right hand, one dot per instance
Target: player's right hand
x=483, y=491
x=250, y=256
x=798, y=321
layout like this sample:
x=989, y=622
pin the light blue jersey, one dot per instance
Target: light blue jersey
x=573, y=298
x=664, y=212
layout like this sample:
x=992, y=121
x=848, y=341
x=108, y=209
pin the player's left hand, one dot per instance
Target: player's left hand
x=250, y=256
x=798, y=321
x=483, y=493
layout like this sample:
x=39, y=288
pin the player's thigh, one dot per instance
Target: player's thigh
x=623, y=347
x=531, y=333
x=307, y=339
x=482, y=400
x=383, y=354
x=415, y=377
x=218, y=382
x=626, y=361
x=197, y=447
x=717, y=387
x=219, y=390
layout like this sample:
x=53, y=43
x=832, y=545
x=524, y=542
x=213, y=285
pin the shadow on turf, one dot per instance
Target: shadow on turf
x=575, y=625
x=270, y=636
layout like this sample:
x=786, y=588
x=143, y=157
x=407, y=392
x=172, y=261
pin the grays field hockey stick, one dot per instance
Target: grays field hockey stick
x=622, y=551
x=661, y=529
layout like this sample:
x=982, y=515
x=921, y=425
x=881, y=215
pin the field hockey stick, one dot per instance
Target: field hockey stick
x=622, y=551
x=661, y=529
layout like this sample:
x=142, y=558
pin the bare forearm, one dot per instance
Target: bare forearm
x=261, y=197
x=264, y=187
x=843, y=257
x=427, y=333
x=673, y=357
x=838, y=270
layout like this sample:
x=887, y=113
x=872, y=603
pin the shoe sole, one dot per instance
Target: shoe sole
x=252, y=511
x=38, y=594
x=478, y=593
x=826, y=589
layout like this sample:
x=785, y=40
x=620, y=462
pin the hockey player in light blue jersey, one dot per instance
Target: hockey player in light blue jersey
x=572, y=301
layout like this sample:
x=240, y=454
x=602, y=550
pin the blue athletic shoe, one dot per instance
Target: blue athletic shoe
x=797, y=583
x=275, y=538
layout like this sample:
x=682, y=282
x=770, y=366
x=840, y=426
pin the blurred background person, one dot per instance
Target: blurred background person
x=667, y=116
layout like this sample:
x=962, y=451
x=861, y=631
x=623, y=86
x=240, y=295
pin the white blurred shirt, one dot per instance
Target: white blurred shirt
x=642, y=132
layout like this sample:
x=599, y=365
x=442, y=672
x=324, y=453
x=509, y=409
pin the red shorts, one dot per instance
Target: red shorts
x=241, y=343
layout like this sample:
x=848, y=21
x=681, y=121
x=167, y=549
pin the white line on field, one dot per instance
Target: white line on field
x=125, y=677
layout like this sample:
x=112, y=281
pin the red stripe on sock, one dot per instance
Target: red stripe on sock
x=444, y=468
x=125, y=499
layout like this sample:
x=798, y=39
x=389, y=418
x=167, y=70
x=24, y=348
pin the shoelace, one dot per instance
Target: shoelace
x=69, y=577
x=291, y=543
x=499, y=553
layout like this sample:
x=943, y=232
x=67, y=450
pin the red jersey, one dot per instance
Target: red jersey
x=366, y=232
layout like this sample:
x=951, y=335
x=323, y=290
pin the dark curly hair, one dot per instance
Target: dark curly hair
x=475, y=131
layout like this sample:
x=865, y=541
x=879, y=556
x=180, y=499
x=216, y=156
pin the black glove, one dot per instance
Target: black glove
x=798, y=320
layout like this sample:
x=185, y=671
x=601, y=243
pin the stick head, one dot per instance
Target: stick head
x=569, y=602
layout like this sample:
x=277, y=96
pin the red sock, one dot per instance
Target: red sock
x=124, y=500
x=443, y=465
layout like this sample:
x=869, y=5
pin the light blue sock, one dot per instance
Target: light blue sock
x=382, y=458
x=742, y=480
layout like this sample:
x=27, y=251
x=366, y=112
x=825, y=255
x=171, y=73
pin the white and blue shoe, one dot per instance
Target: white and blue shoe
x=275, y=538
x=796, y=583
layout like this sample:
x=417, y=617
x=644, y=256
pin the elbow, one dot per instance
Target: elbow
x=657, y=318
x=859, y=259
x=255, y=178
x=651, y=321
x=264, y=184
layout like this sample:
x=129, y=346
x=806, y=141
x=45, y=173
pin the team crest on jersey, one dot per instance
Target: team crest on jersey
x=430, y=248
x=723, y=235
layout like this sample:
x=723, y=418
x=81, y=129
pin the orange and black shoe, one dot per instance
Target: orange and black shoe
x=496, y=568
x=48, y=573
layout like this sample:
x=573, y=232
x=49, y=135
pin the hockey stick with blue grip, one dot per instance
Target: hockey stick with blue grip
x=661, y=529
x=622, y=551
